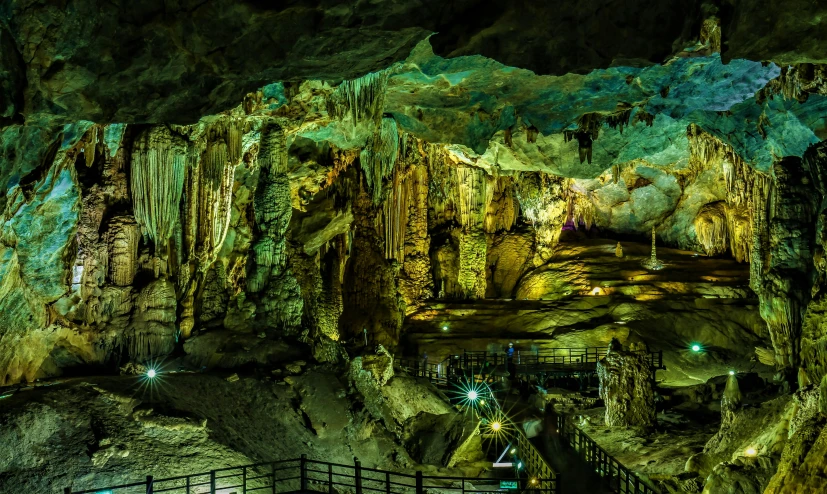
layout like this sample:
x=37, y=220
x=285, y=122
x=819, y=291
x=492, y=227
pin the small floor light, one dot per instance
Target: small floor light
x=696, y=347
x=495, y=426
x=472, y=395
x=732, y=373
x=445, y=328
x=151, y=373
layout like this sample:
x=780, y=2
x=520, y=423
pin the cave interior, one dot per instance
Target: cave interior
x=409, y=247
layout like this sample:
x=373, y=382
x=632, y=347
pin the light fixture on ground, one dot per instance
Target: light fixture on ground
x=472, y=395
x=151, y=373
x=696, y=347
x=496, y=426
x=750, y=452
x=445, y=328
x=732, y=373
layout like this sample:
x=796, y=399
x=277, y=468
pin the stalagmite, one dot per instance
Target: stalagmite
x=730, y=401
x=619, y=250
x=276, y=290
x=157, y=182
x=652, y=263
x=626, y=387
x=152, y=332
x=416, y=280
x=472, y=197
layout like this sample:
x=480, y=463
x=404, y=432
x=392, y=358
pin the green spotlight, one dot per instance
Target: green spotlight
x=472, y=395
x=151, y=373
x=696, y=347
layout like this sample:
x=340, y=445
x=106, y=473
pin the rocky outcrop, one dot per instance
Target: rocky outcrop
x=626, y=387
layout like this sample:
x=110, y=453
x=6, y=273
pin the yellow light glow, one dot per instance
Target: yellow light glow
x=596, y=290
x=534, y=481
x=750, y=452
x=496, y=426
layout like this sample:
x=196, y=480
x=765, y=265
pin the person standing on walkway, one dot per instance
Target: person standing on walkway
x=509, y=358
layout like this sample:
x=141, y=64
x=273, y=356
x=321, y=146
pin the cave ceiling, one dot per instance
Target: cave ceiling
x=471, y=75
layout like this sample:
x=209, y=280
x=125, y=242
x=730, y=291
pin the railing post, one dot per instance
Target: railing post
x=303, y=473
x=357, y=474
x=188, y=484
x=420, y=484
x=273, y=472
x=149, y=487
x=244, y=480
x=387, y=483
x=212, y=481
x=330, y=489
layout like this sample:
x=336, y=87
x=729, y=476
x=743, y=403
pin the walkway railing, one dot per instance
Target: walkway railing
x=619, y=478
x=588, y=356
x=552, y=361
x=305, y=475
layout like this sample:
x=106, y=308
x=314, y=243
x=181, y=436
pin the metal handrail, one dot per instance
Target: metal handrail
x=303, y=475
x=619, y=478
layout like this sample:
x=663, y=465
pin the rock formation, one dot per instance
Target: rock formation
x=226, y=184
x=626, y=387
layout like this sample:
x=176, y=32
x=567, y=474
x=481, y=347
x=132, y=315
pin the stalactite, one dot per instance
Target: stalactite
x=157, y=182
x=620, y=119
x=711, y=228
x=122, y=238
x=379, y=157
x=759, y=230
x=395, y=215
x=543, y=201
x=503, y=209
x=795, y=82
x=362, y=99
x=442, y=184
x=112, y=137
x=745, y=200
x=472, y=194
x=214, y=179
x=579, y=210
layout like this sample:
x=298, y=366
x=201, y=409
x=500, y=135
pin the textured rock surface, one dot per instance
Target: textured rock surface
x=115, y=430
x=626, y=387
